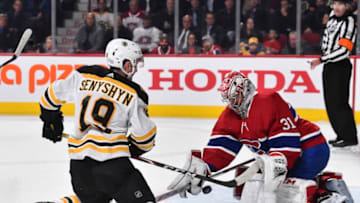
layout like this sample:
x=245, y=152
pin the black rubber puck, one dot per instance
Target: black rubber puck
x=206, y=189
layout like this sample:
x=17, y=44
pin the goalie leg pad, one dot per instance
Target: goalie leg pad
x=296, y=190
x=332, y=186
x=253, y=188
x=254, y=191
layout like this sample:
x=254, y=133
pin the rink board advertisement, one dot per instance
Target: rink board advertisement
x=177, y=86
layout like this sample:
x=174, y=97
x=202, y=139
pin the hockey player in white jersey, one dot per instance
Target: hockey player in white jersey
x=111, y=124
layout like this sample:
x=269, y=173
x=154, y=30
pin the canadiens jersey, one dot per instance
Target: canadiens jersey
x=110, y=112
x=272, y=125
x=147, y=38
x=133, y=20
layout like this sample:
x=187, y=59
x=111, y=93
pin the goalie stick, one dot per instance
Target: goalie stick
x=174, y=192
x=23, y=40
x=231, y=183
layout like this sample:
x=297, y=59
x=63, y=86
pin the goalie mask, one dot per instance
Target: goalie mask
x=237, y=92
x=119, y=50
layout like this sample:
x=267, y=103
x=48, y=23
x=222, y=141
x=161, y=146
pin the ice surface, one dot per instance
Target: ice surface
x=33, y=169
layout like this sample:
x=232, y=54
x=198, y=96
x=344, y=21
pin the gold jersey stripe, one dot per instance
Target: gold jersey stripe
x=147, y=146
x=142, y=138
x=64, y=200
x=124, y=86
x=97, y=138
x=75, y=199
x=105, y=150
x=53, y=97
x=45, y=103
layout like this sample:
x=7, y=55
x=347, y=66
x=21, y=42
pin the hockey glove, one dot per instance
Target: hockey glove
x=53, y=124
x=274, y=168
x=191, y=184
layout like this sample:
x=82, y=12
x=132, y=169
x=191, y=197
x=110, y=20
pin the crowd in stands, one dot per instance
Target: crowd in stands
x=206, y=26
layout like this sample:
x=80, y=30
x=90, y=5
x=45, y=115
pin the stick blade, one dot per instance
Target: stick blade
x=24, y=38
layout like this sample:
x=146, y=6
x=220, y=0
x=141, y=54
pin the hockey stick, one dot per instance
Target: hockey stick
x=233, y=167
x=239, y=180
x=206, y=189
x=24, y=39
x=231, y=183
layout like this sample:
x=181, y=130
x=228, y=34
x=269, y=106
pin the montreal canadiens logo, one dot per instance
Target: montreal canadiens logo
x=253, y=145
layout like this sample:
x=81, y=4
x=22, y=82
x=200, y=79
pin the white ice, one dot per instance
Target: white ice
x=34, y=169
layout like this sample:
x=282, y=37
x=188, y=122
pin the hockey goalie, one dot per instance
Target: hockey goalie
x=290, y=152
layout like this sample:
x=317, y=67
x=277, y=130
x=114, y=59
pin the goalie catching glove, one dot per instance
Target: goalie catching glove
x=193, y=185
x=53, y=124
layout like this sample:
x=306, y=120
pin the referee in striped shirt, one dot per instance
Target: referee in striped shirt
x=337, y=43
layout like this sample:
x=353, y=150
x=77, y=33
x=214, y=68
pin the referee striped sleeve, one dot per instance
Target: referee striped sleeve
x=346, y=36
x=337, y=55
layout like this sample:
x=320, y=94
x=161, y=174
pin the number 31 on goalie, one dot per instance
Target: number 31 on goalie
x=287, y=123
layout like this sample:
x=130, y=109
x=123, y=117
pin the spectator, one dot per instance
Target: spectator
x=151, y=6
x=164, y=48
x=5, y=35
x=68, y=5
x=41, y=23
x=192, y=47
x=103, y=16
x=186, y=30
x=148, y=6
x=290, y=48
x=147, y=36
x=214, y=6
x=123, y=32
x=249, y=31
x=209, y=48
x=254, y=48
x=284, y=19
x=164, y=20
x=17, y=20
x=198, y=14
x=272, y=46
x=257, y=11
x=226, y=18
x=133, y=18
x=5, y=6
x=324, y=21
x=46, y=47
x=313, y=17
x=123, y=5
x=215, y=31
x=353, y=7
x=90, y=38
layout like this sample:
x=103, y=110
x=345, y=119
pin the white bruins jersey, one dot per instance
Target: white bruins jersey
x=110, y=112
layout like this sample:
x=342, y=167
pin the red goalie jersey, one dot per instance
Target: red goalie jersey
x=272, y=125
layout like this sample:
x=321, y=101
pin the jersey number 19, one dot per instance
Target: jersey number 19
x=100, y=116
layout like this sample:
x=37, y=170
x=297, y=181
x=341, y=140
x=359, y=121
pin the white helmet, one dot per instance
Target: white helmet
x=119, y=50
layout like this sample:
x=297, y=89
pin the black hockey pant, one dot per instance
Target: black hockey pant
x=100, y=182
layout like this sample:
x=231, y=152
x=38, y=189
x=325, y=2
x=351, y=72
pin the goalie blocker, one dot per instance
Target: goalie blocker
x=328, y=187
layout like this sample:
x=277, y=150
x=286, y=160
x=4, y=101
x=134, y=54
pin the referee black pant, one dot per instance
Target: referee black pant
x=336, y=84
